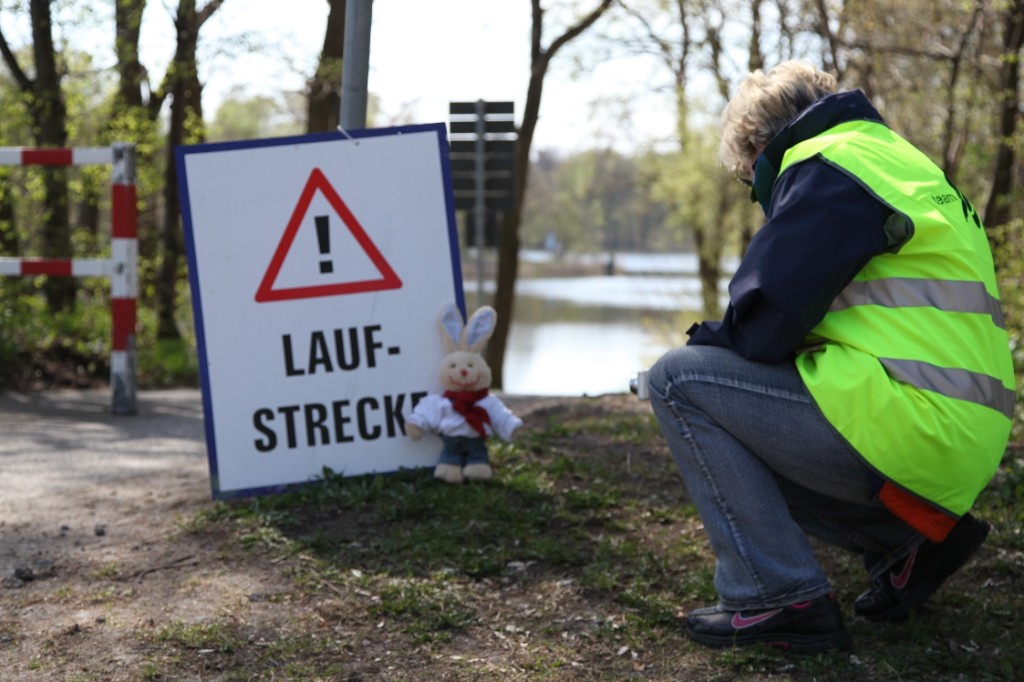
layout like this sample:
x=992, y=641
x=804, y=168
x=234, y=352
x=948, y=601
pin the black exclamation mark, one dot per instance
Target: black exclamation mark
x=323, y=238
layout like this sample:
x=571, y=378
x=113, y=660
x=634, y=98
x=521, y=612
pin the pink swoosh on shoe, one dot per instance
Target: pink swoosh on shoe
x=739, y=621
x=899, y=580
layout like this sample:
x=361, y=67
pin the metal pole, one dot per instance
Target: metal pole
x=124, y=280
x=479, y=204
x=355, y=63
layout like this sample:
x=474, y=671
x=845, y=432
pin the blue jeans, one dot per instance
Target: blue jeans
x=765, y=470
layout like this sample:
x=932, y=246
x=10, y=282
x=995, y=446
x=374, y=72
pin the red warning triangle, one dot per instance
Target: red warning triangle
x=268, y=292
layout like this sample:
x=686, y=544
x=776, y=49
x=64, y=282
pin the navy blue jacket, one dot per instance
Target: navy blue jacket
x=822, y=228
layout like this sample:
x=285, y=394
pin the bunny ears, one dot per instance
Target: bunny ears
x=473, y=336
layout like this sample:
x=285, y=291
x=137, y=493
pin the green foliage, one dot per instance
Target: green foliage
x=597, y=201
x=694, y=182
x=168, y=363
x=28, y=330
x=250, y=118
x=1005, y=495
x=73, y=348
x=1008, y=244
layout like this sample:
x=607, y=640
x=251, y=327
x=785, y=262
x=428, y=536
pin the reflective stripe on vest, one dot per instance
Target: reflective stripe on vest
x=906, y=292
x=962, y=384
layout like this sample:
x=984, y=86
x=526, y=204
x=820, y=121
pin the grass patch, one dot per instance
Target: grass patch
x=430, y=611
x=212, y=637
x=576, y=562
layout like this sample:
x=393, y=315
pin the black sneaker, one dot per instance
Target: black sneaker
x=908, y=584
x=808, y=627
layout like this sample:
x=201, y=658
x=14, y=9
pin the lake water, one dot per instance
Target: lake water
x=575, y=336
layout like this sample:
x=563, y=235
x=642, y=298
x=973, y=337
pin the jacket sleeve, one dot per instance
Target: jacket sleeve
x=822, y=229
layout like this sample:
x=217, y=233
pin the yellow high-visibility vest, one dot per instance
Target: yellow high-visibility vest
x=912, y=364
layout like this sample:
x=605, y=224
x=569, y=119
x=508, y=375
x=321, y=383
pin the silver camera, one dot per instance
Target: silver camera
x=639, y=385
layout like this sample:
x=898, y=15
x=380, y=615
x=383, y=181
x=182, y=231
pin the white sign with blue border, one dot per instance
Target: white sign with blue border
x=318, y=266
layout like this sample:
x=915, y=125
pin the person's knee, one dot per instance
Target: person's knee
x=664, y=373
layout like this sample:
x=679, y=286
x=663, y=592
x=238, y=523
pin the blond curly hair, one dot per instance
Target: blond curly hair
x=763, y=104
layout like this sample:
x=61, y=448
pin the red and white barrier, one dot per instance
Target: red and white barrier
x=122, y=266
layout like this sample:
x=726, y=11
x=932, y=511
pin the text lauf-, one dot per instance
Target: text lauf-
x=340, y=350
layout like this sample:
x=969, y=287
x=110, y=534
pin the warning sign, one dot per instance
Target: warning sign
x=318, y=265
x=349, y=279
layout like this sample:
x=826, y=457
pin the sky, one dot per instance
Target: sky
x=424, y=55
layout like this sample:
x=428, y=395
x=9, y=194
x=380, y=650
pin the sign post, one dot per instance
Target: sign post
x=483, y=168
x=318, y=266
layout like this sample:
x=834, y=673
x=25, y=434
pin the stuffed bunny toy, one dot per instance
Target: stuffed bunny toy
x=466, y=413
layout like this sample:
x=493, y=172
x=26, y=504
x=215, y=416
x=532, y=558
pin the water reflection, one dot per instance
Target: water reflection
x=619, y=292
x=557, y=347
x=590, y=335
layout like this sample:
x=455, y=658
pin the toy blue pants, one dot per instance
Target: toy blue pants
x=463, y=450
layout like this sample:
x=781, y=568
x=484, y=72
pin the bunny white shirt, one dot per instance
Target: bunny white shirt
x=435, y=414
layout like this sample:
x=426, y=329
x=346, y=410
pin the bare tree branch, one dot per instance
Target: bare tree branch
x=23, y=81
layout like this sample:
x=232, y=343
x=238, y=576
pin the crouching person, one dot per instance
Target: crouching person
x=859, y=387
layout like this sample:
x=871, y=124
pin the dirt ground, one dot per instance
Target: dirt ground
x=98, y=569
x=88, y=514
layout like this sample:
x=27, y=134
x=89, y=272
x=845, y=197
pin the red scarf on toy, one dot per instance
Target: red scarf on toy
x=464, y=402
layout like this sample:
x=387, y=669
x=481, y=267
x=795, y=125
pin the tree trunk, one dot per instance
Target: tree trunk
x=709, y=236
x=135, y=117
x=708, y=270
x=88, y=218
x=508, y=244
x=997, y=210
x=324, y=89
x=50, y=130
x=186, y=114
x=8, y=225
x=131, y=73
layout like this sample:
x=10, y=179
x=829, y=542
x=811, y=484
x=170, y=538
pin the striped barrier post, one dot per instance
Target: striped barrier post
x=122, y=266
